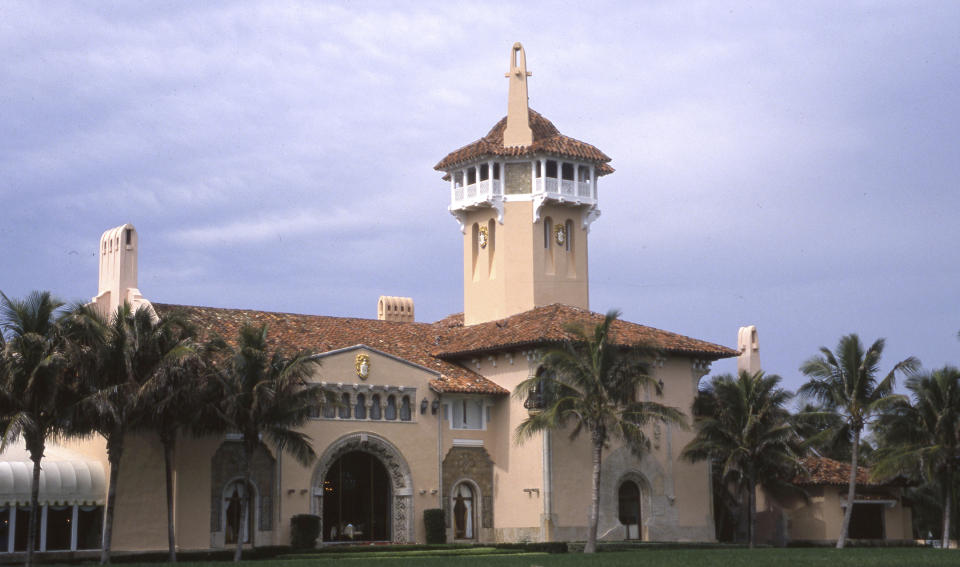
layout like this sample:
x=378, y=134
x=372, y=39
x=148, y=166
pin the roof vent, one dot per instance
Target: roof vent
x=390, y=308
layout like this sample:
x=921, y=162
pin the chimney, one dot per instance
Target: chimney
x=118, y=271
x=390, y=308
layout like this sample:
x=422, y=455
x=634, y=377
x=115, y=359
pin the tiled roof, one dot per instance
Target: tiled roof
x=821, y=471
x=546, y=140
x=436, y=345
x=547, y=325
x=292, y=332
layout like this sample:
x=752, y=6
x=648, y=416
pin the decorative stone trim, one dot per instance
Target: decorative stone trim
x=401, y=481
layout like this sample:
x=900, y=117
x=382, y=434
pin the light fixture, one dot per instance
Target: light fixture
x=435, y=406
x=423, y=406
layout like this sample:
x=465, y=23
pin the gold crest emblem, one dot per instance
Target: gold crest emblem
x=560, y=234
x=362, y=364
x=482, y=237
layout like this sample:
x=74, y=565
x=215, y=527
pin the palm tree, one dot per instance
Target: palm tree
x=175, y=399
x=134, y=348
x=845, y=381
x=743, y=426
x=589, y=383
x=267, y=395
x=35, y=398
x=925, y=435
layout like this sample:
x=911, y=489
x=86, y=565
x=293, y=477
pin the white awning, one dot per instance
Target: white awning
x=65, y=478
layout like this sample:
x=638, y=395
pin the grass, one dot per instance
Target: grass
x=652, y=557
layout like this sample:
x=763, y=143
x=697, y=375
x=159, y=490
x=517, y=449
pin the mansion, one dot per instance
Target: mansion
x=427, y=418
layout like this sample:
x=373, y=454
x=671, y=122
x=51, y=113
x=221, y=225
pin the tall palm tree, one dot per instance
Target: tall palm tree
x=265, y=394
x=35, y=398
x=135, y=347
x=743, y=425
x=845, y=381
x=175, y=399
x=590, y=384
x=925, y=435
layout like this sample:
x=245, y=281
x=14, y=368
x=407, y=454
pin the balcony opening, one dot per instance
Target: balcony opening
x=484, y=172
x=496, y=171
x=539, y=171
x=583, y=174
x=551, y=168
x=458, y=179
x=567, y=171
x=471, y=176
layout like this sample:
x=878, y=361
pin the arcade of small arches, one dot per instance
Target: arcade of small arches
x=369, y=403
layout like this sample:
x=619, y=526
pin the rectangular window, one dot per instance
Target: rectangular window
x=467, y=414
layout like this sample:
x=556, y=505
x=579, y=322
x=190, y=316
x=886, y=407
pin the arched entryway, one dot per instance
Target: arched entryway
x=629, y=508
x=356, y=502
x=363, y=491
x=238, y=523
x=464, y=506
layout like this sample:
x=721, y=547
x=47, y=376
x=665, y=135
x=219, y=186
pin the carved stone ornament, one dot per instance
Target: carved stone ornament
x=362, y=365
x=560, y=234
x=482, y=237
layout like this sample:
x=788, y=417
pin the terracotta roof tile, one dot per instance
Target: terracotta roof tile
x=291, y=332
x=547, y=325
x=821, y=471
x=546, y=140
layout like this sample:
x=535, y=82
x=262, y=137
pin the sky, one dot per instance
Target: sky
x=791, y=165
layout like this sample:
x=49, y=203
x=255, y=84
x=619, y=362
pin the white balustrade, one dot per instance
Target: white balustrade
x=583, y=189
x=566, y=186
x=483, y=187
x=497, y=187
x=551, y=184
x=472, y=190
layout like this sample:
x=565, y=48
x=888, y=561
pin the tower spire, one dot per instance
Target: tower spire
x=518, y=132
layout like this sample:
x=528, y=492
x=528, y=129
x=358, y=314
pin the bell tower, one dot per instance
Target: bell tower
x=524, y=196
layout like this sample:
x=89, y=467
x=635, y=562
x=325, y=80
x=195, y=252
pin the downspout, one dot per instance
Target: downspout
x=278, y=529
x=439, y=451
x=547, y=487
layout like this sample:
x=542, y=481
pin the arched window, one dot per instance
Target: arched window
x=475, y=248
x=329, y=410
x=238, y=523
x=463, y=511
x=391, y=412
x=405, y=409
x=375, y=407
x=345, y=406
x=491, y=246
x=547, y=232
x=360, y=408
x=568, y=240
x=629, y=508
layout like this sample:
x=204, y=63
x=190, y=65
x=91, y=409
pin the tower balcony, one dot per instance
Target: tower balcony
x=541, y=180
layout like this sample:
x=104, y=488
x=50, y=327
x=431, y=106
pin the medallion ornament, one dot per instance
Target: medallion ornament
x=482, y=237
x=362, y=365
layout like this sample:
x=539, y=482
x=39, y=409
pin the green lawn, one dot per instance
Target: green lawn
x=489, y=557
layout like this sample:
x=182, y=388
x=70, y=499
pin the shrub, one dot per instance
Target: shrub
x=436, y=528
x=304, y=531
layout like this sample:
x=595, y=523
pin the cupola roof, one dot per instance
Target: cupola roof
x=546, y=140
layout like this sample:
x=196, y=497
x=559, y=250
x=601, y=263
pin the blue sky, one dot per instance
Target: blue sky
x=789, y=165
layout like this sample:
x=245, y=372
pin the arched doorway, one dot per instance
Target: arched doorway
x=464, y=512
x=238, y=523
x=356, y=503
x=629, y=508
x=391, y=498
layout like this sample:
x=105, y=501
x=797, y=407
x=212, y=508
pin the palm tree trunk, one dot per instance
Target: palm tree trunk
x=169, y=442
x=114, y=452
x=591, y=546
x=752, y=512
x=851, y=490
x=945, y=544
x=36, y=456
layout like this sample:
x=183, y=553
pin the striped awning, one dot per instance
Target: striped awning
x=65, y=478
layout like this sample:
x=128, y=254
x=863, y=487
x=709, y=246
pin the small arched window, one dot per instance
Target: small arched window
x=375, y=407
x=547, y=232
x=391, y=411
x=238, y=523
x=568, y=234
x=405, y=409
x=463, y=511
x=360, y=408
x=345, y=406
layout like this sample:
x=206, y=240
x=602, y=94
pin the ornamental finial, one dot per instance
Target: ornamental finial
x=518, y=132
